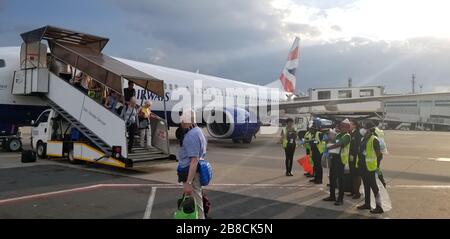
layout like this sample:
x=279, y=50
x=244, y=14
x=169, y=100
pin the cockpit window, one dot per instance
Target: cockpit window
x=2, y=63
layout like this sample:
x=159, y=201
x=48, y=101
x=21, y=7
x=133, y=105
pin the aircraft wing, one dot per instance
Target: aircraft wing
x=310, y=103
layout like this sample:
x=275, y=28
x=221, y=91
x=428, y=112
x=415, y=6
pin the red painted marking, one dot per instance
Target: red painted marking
x=293, y=54
x=287, y=84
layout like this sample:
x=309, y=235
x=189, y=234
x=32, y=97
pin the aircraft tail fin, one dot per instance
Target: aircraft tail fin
x=287, y=80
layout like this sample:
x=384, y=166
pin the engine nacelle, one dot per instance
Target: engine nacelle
x=235, y=123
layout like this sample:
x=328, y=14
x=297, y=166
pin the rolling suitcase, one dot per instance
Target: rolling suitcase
x=28, y=156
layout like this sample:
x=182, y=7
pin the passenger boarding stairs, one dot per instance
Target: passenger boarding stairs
x=94, y=139
x=103, y=128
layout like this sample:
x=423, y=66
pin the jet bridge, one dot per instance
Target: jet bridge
x=103, y=130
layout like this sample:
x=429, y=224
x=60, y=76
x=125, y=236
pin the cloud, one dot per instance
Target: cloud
x=209, y=34
x=325, y=4
x=336, y=28
x=368, y=62
x=205, y=25
x=303, y=29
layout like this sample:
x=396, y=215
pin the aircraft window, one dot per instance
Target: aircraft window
x=324, y=95
x=344, y=94
x=2, y=63
x=366, y=93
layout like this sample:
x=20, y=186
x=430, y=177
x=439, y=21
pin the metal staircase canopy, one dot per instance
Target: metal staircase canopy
x=83, y=52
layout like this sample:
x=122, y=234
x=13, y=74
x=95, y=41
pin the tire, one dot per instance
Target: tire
x=14, y=145
x=236, y=141
x=41, y=150
x=72, y=160
x=247, y=140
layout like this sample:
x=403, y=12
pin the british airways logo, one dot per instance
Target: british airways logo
x=148, y=95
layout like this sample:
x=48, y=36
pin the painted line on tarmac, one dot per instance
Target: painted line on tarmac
x=440, y=159
x=177, y=186
x=420, y=186
x=48, y=194
x=151, y=200
x=165, y=186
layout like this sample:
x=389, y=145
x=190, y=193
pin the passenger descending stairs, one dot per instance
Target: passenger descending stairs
x=105, y=148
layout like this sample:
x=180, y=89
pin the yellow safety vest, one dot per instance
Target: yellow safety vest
x=306, y=139
x=319, y=143
x=345, y=151
x=371, y=156
x=285, y=140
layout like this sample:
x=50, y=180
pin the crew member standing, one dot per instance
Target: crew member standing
x=317, y=148
x=354, y=149
x=369, y=155
x=288, y=141
x=338, y=162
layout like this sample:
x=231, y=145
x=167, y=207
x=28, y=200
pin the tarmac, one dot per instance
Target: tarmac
x=248, y=182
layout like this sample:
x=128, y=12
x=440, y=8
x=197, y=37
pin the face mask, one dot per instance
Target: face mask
x=363, y=131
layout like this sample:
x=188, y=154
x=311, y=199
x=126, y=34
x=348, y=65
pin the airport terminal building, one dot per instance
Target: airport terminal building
x=415, y=112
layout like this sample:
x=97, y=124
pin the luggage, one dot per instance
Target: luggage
x=348, y=184
x=28, y=156
x=187, y=208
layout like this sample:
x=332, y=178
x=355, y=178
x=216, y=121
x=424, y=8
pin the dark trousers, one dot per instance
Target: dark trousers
x=131, y=133
x=336, y=175
x=355, y=175
x=289, y=152
x=370, y=183
x=318, y=171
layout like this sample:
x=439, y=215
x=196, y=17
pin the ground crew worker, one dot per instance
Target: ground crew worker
x=367, y=161
x=317, y=148
x=288, y=141
x=338, y=160
x=380, y=135
x=306, y=138
x=354, y=149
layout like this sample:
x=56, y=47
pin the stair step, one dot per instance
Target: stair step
x=161, y=156
x=138, y=154
x=145, y=151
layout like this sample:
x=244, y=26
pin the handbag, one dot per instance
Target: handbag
x=186, y=208
x=143, y=123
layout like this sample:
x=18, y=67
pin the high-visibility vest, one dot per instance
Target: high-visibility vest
x=345, y=151
x=320, y=144
x=306, y=139
x=285, y=139
x=371, y=156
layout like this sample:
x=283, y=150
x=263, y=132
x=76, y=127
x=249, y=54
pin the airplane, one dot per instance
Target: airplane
x=21, y=110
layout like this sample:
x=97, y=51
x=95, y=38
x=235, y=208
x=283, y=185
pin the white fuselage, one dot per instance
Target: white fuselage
x=173, y=80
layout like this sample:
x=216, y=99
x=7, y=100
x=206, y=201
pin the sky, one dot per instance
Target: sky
x=375, y=42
